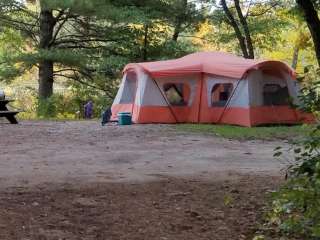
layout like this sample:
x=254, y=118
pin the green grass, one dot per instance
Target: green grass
x=243, y=133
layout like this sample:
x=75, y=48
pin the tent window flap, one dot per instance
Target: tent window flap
x=275, y=95
x=220, y=94
x=129, y=88
x=177, y=94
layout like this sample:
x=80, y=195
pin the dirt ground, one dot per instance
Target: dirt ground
x=78, y=180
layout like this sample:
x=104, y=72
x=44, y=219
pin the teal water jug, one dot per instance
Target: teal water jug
x=124, y=118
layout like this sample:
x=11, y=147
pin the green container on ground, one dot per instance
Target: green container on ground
x=124, y=118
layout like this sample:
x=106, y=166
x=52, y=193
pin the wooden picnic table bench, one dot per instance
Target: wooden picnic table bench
x=5, y=112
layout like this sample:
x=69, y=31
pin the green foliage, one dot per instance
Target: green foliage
x=70, y=104
x=47, y=108
x=296, y=206
x=92, y=39
x=81, y=94
x=310, y=98
x=11, y=45
x=265, y=21
x=66, y=106
x=26, y=101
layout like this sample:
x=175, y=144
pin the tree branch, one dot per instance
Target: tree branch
x=262, y=12
x=77, y=79
x=245, y=27
x=236, y=28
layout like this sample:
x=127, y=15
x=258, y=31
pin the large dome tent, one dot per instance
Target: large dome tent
x=209, y=87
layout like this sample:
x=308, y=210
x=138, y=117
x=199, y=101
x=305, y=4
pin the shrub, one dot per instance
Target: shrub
x=295, y=209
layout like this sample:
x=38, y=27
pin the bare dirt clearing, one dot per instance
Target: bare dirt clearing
x=82, y=152
x=78, y=180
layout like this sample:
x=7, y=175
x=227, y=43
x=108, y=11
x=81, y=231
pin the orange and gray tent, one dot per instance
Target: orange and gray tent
x=209, y=87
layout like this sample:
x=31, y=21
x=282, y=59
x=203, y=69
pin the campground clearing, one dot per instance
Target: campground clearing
x=78, y=180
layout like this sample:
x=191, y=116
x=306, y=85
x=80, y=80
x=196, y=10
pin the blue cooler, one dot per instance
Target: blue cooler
x=124, y=118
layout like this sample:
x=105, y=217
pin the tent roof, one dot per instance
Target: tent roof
x=217, y=63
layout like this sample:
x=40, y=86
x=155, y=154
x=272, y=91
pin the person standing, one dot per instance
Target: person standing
x=88, y=110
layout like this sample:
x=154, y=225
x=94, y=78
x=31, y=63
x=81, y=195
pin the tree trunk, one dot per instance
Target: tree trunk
x=244, y=24
x=313, y=22
x=45, y=79
x=295, y=57
x=179, y=20
x=145, y=43
x=47, y=23
x=176, y=32
x=236, y=28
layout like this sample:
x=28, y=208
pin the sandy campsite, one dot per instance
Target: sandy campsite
x=78, y=180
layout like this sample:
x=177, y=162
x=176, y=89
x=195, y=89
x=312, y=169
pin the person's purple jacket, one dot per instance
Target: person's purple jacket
x=88, y=110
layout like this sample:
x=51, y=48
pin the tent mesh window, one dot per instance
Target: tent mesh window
x=177, y=94
x=129, y=89
x=220, y=94
x=275, y=95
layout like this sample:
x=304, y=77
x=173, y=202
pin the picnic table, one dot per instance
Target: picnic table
x=5, y=112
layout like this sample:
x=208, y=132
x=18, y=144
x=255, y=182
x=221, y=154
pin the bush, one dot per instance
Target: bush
x=69, y=106
x=66, y=105
x=47, y=107
x=295, y=212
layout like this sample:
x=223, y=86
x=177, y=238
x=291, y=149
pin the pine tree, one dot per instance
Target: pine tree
x=78, y=40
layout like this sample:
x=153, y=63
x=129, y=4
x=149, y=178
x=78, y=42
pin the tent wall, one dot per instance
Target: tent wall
x=155, y=108
x=126, y=96
x=118, y=105
x=257, y=80
x=234, y=111
x=246, y=104
x=150, y=105
x=265, y=114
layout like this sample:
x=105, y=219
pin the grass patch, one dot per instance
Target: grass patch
x=243, y=133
